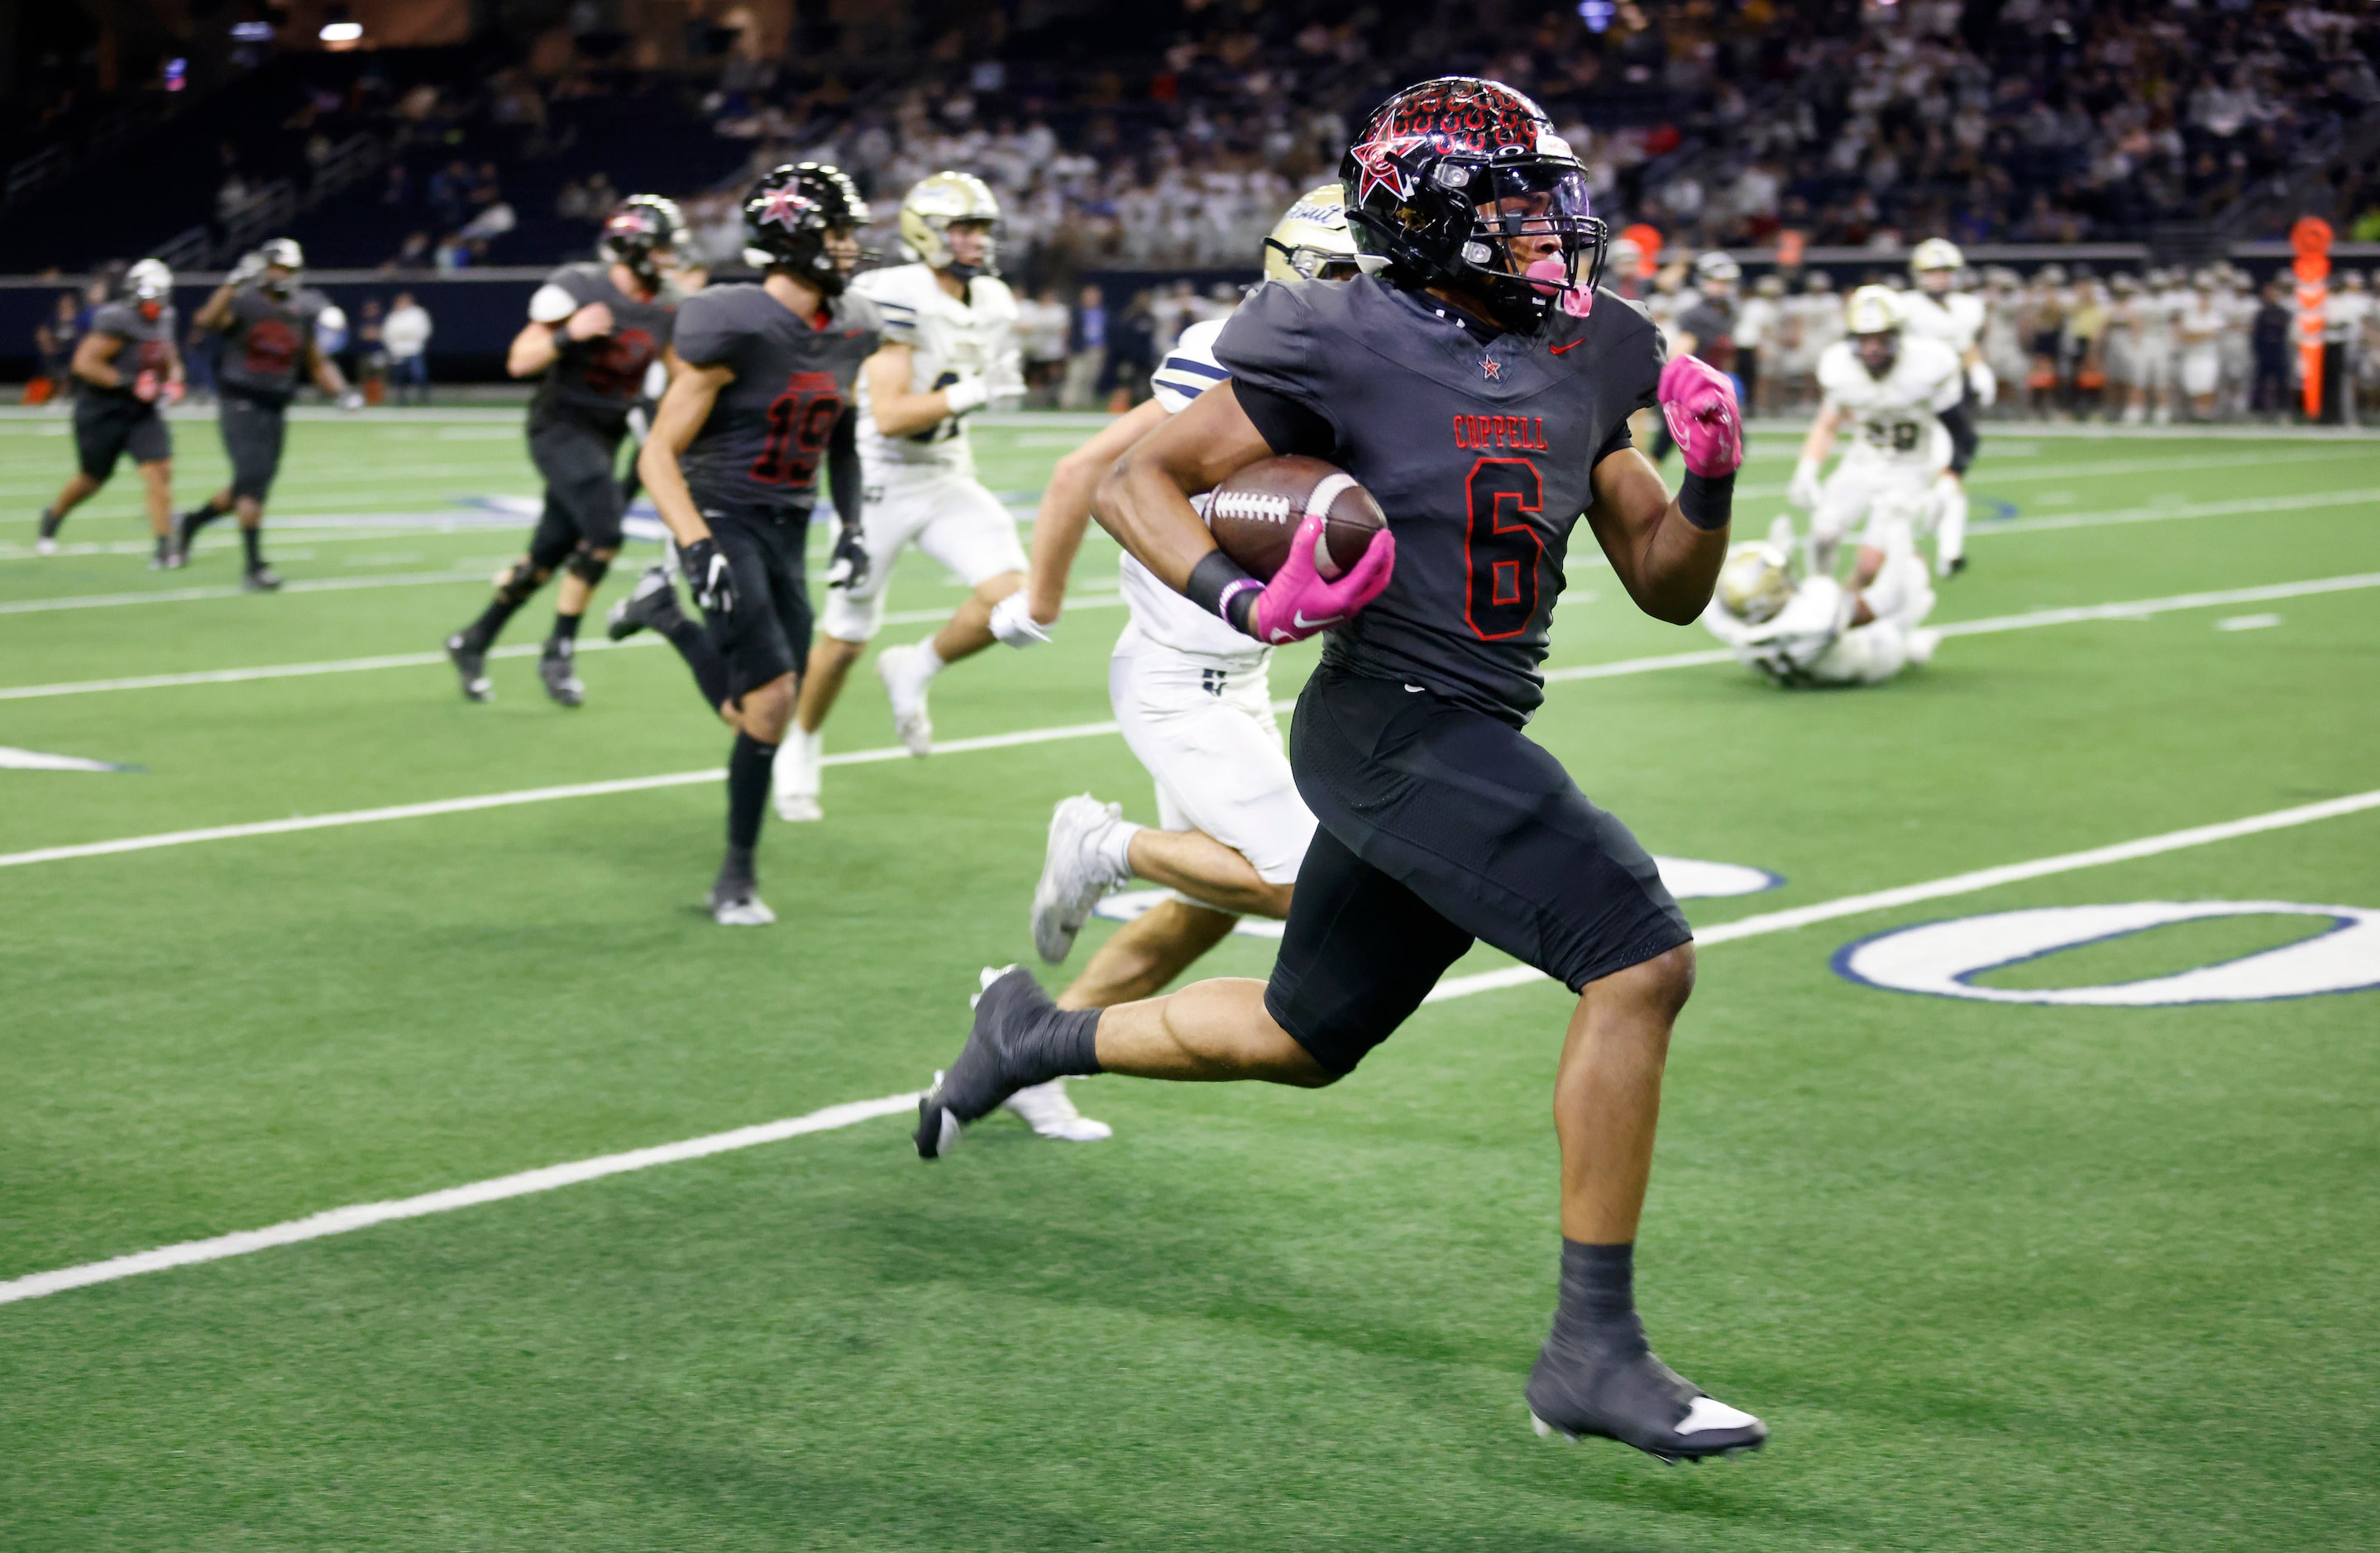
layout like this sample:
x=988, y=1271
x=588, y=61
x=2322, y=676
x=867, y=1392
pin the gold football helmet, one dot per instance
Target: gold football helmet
x=929, y=209
x=1755, y=583
x=1311, y=242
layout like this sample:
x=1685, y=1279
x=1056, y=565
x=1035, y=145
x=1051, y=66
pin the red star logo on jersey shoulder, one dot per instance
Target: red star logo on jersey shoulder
x=1382, y=170
x=1492, y=367
x=784, y=206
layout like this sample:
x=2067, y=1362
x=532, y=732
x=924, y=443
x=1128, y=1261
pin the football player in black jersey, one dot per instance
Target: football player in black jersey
x=267, y=323
x=760, y=399
x=127, y=367
x=1480, y=389
x=594, y=331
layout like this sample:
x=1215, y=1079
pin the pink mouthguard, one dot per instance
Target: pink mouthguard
x=1575, y=300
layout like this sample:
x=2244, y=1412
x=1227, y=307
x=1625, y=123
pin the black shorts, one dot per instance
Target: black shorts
x=1440, y=825
x=769, y=634
x=578, y=459
x=251, y=436
x=109, y=426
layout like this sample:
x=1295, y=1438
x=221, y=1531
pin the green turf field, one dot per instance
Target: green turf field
x=1998, y=1276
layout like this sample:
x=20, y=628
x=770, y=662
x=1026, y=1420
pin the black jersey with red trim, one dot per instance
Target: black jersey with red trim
x=266, y=340
x=148, y=348
x=1480, y=451
x=599, y=380
x=765, y=439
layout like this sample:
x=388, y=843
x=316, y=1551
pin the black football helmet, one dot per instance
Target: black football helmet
x=1445, y=174
x=788, y=216
x=640, y=230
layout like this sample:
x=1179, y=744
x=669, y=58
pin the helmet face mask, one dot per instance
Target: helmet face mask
x=285, y=261
x=805, y=220
x=1937, y=262
x=1461, y=183
x=1872, y=322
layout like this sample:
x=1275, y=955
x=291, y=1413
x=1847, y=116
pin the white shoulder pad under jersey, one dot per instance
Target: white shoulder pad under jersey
x=899, y=294
x=1189, y=369
x=1924, y=377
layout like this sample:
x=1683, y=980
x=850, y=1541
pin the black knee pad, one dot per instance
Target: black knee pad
x=547, y=551
x=588, y=566
x=523, y=579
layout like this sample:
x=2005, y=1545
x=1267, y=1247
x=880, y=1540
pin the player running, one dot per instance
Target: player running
x=594, y=332
x=1893, y=390
x=1480, y=389
x=127, y=365
x=759, y=396
x=1194, y=702
x=949, y=348
x=1815, y=631
x=268, y=325
x=1936, y=309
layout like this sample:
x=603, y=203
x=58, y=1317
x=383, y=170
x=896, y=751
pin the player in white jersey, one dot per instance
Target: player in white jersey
x=949, y=348
x=2161, y=305
x=1890, y=388
x=2199, y=325
x=1195, y=703
x=1936, y=310
x=1815, y=631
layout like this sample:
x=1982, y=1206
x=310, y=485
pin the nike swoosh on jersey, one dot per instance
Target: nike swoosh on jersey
x=1557, y=350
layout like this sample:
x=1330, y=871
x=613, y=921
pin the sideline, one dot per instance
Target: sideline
x=364, y=1215
x=2131, y=610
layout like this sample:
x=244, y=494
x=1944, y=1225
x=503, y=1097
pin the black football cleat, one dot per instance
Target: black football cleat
x=1614, y=1386
x=1957, y=564
x=651, y=605
x=558, y=667
x=1005, y=1051
x=470, y=667
x=259, y=579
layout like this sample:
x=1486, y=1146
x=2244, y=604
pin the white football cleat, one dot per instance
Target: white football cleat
x=797, y=776
x=1074, y=874
x=1050, y=1115
x=45, y=546
x=905, y=689
x=747, y=910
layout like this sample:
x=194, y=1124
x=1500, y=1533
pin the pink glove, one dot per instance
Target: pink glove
x=1297, y=603
x=1699, y=402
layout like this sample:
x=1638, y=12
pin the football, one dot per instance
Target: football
x=1256, y=510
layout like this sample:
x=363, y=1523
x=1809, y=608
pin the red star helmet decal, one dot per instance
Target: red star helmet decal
x=785, y=206
x=1377, y=158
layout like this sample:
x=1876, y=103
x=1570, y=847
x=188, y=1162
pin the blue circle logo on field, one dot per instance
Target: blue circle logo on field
x=1942, y=959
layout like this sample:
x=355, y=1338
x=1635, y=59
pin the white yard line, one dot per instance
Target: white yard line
x=186, y=595
x=410, y=660
x=2133, y=610
x=365, y=1215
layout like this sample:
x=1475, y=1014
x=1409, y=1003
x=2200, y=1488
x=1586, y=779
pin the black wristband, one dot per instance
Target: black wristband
x=1708, y=500
x=1219, y=586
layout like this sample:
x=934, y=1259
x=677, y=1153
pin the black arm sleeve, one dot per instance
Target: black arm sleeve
x=1286, y=425
x=843, y=471
x=1960, y=421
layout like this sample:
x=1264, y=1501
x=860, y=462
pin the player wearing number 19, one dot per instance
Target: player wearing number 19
x=595, y=332
x=1480, y=389
x=759, y=396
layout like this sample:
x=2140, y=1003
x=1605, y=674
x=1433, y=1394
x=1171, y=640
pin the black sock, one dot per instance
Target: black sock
x=1072, y=1043
x=51, y=518
x=749, y=766
x=709, y=669
x=565, y=627
x=736, y=872
x=200, y=516
x=252, y=540
x=1598, y=1292
x=482, y=633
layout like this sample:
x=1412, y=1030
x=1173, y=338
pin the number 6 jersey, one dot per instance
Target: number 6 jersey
x=1481, y=454
x=765, y=439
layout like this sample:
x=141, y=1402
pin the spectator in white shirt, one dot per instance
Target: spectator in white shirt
x=406, y=337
